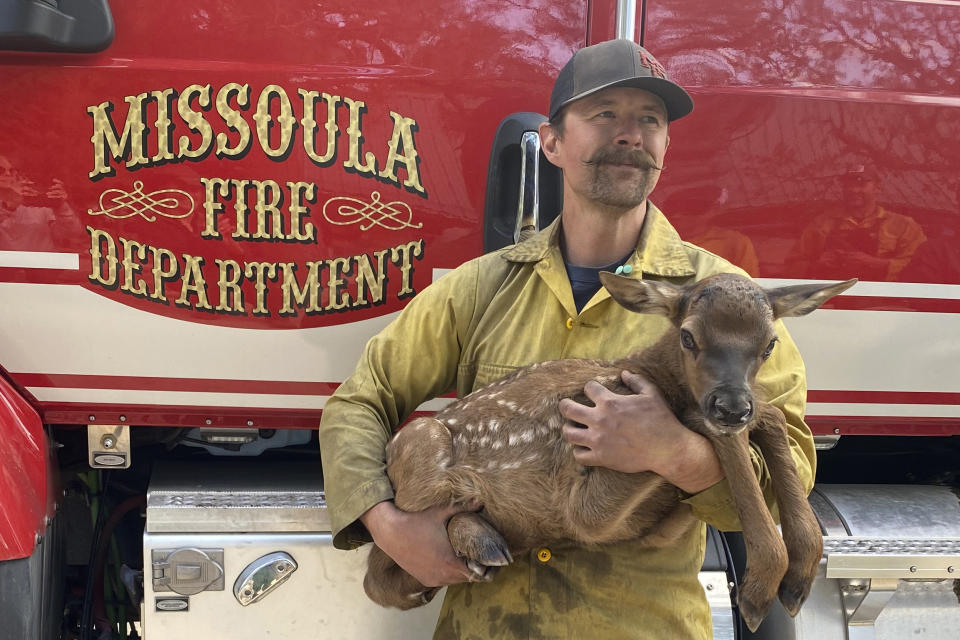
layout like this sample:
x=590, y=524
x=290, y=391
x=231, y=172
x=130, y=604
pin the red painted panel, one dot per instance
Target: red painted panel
x=69, y=413
x=790, y=97
x=883, y=397
x=23, y=475
x=400, y=194
x=883, y=426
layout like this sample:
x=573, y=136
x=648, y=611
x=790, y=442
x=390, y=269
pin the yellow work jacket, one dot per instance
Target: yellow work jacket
x=502, y=311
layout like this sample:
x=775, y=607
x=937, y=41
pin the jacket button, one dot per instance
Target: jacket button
x=569, y=323
x=544, y=555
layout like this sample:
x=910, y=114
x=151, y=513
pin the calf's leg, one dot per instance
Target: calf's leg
x=766, y=554
x=390, y=586
x=801, y=531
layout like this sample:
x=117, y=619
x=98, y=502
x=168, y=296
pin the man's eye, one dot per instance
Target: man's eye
x=606, y=114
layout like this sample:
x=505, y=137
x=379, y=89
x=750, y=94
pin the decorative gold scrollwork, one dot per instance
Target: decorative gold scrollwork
x=394, y=215
x=168, y=203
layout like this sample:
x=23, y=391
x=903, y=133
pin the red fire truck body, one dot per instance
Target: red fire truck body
x=206, y=212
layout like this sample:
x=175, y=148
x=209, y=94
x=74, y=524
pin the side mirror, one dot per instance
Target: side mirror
x=82, y=26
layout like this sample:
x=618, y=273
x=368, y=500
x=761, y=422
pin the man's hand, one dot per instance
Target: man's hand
x=633, y=433
x=418, y=542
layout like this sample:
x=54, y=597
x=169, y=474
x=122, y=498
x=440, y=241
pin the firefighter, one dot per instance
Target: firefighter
x=540, y=300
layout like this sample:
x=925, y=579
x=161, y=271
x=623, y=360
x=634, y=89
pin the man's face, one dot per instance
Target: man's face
x=612, y=147
x=860, y=195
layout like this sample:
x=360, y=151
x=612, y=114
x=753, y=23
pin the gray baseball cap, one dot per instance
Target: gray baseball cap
x=617, y=63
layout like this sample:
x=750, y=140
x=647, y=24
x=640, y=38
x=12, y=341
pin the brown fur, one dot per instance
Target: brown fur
x=501, y=447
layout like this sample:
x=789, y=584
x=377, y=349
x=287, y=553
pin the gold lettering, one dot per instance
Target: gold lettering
x=308, y=295
x=211, y=207
x=130, y=267
x=264, y=120
x=161, y=275
x=260, y=271
x=106, y=145
x=262, y=207
x=366, y=277
x=230, y=286
x=403, y=129
x=233, y=119
x=240, y=208
x=193, y=282
x=97, y=257
x=339, y=299
x=164, y=126
x=310, y=125
x=298, y=192
x=403, y=256
x=357, y=108
x=195, y=121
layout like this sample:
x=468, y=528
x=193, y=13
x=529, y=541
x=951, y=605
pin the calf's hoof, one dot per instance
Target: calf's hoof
x=794, y=591
x=754, y=602
x=401, y=597
x=479, y=544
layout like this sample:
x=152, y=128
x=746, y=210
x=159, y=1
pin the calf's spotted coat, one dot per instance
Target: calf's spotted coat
x=501, y=447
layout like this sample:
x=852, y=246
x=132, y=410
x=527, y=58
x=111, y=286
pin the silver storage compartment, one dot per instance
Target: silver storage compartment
x=244, y=551
x=890, y=567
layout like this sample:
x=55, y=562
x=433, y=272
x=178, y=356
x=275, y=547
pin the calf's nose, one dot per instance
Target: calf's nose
x=730, y=407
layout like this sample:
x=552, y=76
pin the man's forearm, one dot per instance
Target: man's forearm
x=696, y=466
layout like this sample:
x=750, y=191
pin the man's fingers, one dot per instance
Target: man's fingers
x=637, y=383
x=584, y=456
x=577, y=436
x=574, y=411
x=595, y=391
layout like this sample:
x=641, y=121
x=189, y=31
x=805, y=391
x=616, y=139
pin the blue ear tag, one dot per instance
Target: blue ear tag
x=626, y=268
x=619, y=270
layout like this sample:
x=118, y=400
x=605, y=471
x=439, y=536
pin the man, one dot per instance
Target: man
x=858, y=234
x=608, y=132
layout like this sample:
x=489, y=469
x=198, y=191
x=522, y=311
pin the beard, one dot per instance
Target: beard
x=611, y=188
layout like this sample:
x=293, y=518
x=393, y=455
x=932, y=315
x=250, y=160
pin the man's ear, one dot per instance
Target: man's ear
x=548, y=141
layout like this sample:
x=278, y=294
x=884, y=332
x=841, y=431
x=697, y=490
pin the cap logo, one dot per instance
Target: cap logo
x=648, y=61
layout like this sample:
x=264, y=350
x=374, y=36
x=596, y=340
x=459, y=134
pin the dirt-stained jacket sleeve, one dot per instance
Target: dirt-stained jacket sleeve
x=782, y=382
x=412, y=360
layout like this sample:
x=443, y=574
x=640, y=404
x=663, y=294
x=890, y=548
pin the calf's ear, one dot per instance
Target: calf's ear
x=801, y=299
x=643, y=296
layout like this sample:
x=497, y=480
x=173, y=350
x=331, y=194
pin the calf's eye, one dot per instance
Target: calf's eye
x=686, y=339
x=766, y=354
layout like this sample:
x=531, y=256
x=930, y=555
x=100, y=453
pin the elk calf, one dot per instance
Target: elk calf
x=501, y=447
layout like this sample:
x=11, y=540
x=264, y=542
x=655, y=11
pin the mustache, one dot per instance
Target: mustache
x=633, y=157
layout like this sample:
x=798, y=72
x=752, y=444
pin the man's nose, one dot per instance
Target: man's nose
x=630, y=134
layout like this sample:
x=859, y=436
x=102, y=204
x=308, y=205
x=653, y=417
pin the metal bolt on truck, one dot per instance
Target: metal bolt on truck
x=207, y=208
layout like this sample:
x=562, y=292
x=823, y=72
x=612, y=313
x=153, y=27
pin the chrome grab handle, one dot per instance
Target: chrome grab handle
x=528, y=202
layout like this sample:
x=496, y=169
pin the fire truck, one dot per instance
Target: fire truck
x=207, y=208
